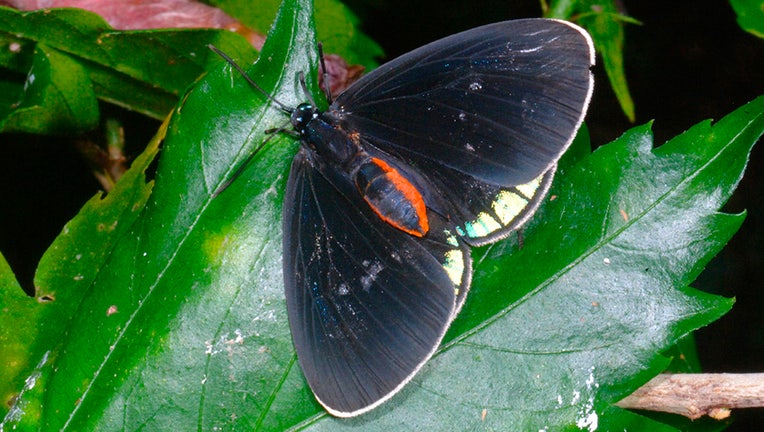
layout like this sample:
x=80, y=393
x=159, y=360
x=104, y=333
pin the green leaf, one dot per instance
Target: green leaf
x=58, y=97
x=173, y=298
x=83, y=56
x=605, y=23
x=33, y=327
x=92, y=60
x=750, y=15
x=184, y=325
x=560, y=9
x=14, y=304
x=256, y=15
x=337, y=27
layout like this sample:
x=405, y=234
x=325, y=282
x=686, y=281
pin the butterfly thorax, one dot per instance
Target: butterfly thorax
x=319, y=135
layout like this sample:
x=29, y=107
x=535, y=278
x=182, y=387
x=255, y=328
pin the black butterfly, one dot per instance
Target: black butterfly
x=449, y=146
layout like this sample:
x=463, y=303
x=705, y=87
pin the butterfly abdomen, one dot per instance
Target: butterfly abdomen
x=392, y=197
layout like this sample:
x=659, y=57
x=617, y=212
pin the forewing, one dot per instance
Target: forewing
x=367, y=303
x=499, y=103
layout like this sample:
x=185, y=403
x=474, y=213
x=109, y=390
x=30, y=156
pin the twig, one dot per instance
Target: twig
x=696, y=395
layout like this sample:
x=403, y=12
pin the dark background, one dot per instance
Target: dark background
x=689, y=61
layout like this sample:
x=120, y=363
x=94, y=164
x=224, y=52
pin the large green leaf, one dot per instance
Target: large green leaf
x=150, y=341
x=184, y=324
x=31, y=328
x=82, y=58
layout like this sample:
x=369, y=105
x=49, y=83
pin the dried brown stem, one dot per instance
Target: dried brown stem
x=696, y=395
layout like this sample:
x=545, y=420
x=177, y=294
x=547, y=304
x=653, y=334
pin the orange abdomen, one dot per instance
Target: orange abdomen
x=392, y=197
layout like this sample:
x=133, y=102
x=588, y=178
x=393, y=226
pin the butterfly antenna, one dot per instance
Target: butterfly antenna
x=230, y=61
x=301, y=77
x=325, y=73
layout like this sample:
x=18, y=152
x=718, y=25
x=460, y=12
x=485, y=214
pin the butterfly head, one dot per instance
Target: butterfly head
x=302, y=115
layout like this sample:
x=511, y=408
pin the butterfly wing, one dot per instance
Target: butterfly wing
x=476, y=122
x=368, y=304
x=480, y=113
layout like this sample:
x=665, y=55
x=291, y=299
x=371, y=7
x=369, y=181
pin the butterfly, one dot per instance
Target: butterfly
x=449, y=146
